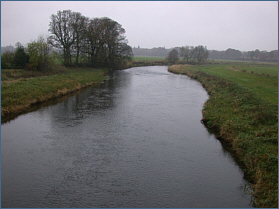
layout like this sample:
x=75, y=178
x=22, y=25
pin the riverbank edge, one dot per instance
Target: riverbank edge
x=73, y=85
x=245, y=147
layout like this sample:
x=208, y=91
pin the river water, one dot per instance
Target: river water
x=135, y=141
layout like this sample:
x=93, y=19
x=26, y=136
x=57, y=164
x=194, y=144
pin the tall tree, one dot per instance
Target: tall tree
x=114, y=39
x=105, y=43
x=79, y=27
x=200, y=54
x=63, y=33
x=92, y=41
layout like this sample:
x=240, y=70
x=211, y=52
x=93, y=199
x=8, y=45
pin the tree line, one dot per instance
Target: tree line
x=228, y=54
x=154, y=52
x=254, y=55
x=189, y=54
x=79, y=40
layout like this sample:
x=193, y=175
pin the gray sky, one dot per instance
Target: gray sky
x=242, y=25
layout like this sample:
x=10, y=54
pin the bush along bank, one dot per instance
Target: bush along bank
x=249, y=124
x=18, y=96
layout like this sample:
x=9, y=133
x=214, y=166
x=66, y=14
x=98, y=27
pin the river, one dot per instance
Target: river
x=134, y=141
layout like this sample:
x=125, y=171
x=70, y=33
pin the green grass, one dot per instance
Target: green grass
x=20, y=94
x=260, y=79
x=243, y=110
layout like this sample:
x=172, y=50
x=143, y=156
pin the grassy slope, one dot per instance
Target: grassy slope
x=18, y=94
x=243, y=110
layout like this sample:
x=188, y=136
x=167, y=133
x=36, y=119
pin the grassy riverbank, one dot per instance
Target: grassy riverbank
x=243, y=110
x=21, y=89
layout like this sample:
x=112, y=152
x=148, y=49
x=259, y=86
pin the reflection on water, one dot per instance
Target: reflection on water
x=136, y=141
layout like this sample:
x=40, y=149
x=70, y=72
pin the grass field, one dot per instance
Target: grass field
x=260, y=79
x=243, y=110
x=21, y=89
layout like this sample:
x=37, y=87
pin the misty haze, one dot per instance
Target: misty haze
x=139, y=104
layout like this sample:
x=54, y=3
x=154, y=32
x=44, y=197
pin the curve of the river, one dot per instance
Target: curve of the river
x=135, y=141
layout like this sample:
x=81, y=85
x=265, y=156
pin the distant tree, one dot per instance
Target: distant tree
x=173, y=57
x=251, y=54
x=185, y=53
x=233, y=54
x=214, y=54
x=156, y=51
x=8, y=49
x=20, y=58
x=39, y=53
x=200, y=53
x=257, y=54
x=263, y=56
x=273, y=55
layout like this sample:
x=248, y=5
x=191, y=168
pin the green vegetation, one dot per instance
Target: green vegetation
x=243, y=110
x=40, y=58
x=21, y=89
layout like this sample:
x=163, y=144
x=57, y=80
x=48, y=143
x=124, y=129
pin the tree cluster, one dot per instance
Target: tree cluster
x=97, y=42
x=189, y=54
x=79, y=40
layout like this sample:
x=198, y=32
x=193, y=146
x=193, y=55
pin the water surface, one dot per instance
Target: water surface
x=135, y=141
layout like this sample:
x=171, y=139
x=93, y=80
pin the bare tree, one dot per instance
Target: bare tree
x=63, y=33
x=200, y=54
x=185, y=53
x=79, y=27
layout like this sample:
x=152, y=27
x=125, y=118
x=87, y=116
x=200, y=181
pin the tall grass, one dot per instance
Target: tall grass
x=238, y=113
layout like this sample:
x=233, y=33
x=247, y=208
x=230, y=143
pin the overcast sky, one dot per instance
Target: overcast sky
x=242, y=25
